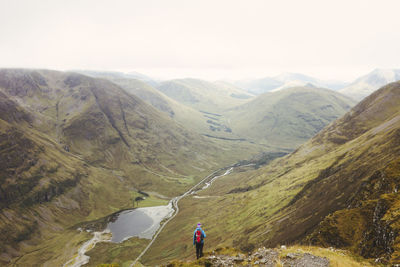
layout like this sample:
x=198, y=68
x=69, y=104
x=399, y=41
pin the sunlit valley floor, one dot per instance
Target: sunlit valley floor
x=311, y=170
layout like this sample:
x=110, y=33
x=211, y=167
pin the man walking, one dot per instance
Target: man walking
x=198, y=240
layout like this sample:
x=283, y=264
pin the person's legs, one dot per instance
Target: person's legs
x=201, y=249
x=198, y=250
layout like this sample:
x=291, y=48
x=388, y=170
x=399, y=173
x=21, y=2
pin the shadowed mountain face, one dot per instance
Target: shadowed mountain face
x=185, y=115
x=288, y=117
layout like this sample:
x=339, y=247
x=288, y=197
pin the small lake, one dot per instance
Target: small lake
x=140, y=222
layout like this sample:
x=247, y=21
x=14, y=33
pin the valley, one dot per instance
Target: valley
x=76, y=149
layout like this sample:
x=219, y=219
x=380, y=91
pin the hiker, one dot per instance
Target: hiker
x=198, y=240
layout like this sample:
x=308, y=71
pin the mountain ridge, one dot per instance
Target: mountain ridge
x=288, y=116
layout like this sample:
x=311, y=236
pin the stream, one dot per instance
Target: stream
x=140, y=222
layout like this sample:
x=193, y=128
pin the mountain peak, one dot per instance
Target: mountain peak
x=290, y=76
x=367, y=84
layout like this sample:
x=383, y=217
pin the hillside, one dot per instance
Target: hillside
x=370, y=82
x=339, y=189
x=200, y=122
x=204, y=96
x=288, y=117
x=75, y=149
x=98, y=120
x=152, y=96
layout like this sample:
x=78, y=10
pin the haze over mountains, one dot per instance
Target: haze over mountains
x=222, y=110
x=286, y=80
x=357, y=90
x=370, y=82
x=76, y=148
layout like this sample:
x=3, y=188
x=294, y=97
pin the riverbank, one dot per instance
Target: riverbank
x=81, y=258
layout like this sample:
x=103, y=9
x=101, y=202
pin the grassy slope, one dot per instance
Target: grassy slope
x=285, y=201
x=116, y=144
x=288, y=117
x=189, y=117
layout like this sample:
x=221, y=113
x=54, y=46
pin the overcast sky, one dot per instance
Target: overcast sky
x=206, y=39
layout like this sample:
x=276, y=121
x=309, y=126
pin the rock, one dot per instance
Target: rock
x=307, y=259
x=268, y=258
x=292, y=255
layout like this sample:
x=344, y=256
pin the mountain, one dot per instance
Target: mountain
x=292, y=84
x=259, y=86
x=339, y=189
x=142, y=77
x=286, y=80
x=288, y=117
x=94, y=118
x=370, y=82
x=288, y=77
x=204, y=96
x=74, y=149
x=205, y=123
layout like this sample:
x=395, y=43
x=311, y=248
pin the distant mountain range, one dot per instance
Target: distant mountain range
x=288, y=116
x=199, y=117
x=282, y=119
x=370, y=82
x=357, y=90
x=203, y=95
x=285, y=80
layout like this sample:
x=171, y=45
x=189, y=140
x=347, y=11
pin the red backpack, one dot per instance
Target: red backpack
x=199, y=236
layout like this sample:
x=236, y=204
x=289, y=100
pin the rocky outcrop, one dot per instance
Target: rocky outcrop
x=261, y=257
x=10, y=112
x=368, y=225
x=378, y=240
